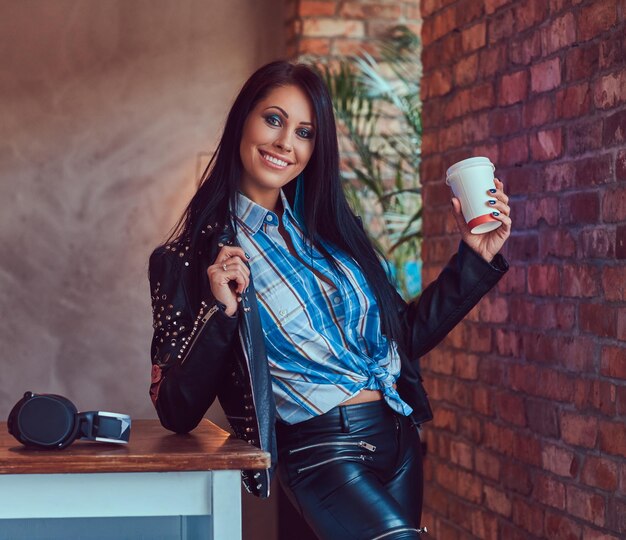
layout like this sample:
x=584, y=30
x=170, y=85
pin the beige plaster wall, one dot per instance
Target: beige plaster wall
x=107, y=111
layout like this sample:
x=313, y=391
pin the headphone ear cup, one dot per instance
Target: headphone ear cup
x=47, y=421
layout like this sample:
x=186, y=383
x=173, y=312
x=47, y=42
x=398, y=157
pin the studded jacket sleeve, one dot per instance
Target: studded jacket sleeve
x=189, y=349
x=442, y=305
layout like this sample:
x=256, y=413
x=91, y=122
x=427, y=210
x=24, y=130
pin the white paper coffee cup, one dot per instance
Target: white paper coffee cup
x=470, y=180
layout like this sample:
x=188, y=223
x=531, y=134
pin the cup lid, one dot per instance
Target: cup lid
x=469, y=162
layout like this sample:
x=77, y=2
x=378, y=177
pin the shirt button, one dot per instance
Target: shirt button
x=283, y=312
x=269, y=217
x=337, y=299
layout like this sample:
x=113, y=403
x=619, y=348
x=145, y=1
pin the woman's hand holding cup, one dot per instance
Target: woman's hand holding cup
x=229, y=276
x=489, y=243
x=480, y=206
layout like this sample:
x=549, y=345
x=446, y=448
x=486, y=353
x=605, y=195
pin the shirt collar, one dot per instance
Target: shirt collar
x=253, y=215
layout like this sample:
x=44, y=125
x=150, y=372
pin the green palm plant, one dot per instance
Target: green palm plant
x=382, y=181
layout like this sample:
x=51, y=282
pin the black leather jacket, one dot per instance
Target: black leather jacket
x=199, y=353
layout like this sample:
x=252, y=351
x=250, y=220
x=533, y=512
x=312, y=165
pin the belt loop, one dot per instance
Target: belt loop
x=345, y=422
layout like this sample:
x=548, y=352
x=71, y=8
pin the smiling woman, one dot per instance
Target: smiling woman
x=270, y=296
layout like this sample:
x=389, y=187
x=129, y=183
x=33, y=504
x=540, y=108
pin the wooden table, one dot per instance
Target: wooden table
x=157, y=474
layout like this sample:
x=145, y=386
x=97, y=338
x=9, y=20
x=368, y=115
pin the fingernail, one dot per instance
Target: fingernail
x=496, y=213
x=491, y=201
x=492, y=190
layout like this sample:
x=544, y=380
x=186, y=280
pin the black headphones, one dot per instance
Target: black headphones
x=51, y=421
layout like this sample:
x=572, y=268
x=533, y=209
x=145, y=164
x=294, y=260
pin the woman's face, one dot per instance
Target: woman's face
x=277, y=142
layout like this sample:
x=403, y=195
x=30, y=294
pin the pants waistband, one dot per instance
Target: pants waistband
x=340, y=416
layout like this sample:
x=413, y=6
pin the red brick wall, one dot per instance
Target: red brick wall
x=529, y=392
x=327, y=28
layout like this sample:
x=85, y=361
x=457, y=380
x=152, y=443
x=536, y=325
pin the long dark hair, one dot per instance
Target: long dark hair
x=326, y=214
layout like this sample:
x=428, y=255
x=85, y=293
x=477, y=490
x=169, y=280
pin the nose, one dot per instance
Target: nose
x=283, y=143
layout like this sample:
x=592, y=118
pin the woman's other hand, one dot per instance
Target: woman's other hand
x=487, y=244
x=229, y=276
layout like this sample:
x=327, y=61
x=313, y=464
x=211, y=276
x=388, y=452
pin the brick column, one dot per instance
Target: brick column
x=529, y=392
x=330, y=28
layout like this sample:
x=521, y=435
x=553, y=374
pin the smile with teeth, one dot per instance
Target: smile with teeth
x=273, y=160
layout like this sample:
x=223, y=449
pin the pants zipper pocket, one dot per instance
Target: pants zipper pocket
x=419, y=531
x=362, y=457
x=361, y=444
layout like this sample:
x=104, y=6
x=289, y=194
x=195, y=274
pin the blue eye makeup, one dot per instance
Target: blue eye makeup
x=276, y=121
x=273, y=119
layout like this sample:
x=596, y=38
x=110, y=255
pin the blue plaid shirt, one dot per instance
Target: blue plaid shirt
x=323, y=339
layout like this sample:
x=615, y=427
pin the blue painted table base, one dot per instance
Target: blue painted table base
x=201, y=505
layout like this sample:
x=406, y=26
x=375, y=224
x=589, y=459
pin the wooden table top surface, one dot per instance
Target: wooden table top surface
x=152, y=448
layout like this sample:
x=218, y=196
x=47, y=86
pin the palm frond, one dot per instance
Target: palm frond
x=383, y=186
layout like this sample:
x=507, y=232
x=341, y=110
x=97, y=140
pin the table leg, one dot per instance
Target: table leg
x=226, y=499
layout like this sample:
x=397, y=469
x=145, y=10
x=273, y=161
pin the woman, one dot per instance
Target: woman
x=270, y=297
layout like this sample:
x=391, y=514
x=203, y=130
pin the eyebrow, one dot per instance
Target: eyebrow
x=285, y=113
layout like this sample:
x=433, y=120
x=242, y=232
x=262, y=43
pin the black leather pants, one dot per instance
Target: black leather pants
x=354, y=472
